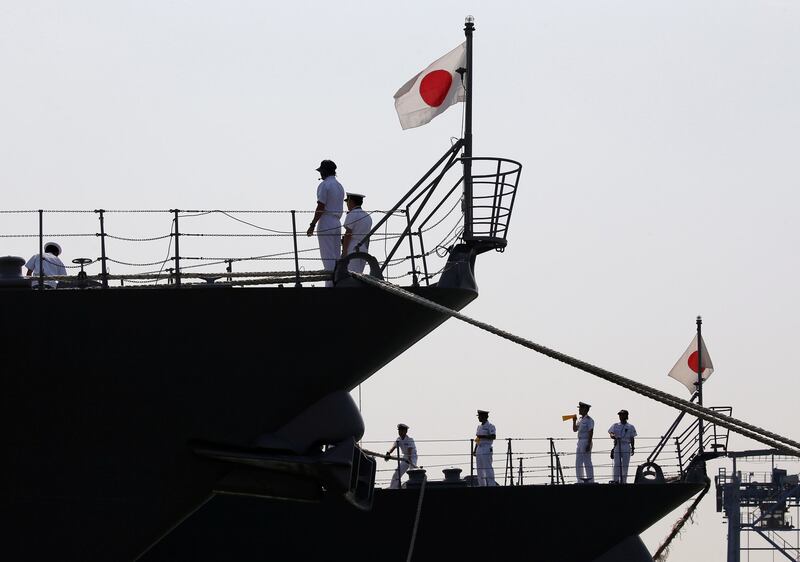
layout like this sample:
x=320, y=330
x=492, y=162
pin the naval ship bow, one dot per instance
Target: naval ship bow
x=187, y=415
x=173, y=385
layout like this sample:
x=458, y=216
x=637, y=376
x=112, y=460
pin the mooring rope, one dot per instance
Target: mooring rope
x=738, y=426
x=663, y=551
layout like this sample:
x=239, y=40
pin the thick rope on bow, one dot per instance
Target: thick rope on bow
x=756, y=433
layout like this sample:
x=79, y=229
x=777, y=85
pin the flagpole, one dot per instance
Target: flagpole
x=469, y=27
x=700, y=379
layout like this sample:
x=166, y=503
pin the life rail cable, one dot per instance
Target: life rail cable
x=243, y=278
x=738, y=426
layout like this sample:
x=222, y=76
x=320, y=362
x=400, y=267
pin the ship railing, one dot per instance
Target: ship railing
x=687, y=441
x=715, y=439
x=494, y=188
x=182, y=247
x=524, y=460
x=410, y=241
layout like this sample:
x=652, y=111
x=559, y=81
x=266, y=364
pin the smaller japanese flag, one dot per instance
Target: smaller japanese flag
x=432, y=91
x=686, y=369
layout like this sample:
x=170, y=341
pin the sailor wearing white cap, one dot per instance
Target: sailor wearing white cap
x=407, y=450
x=484, y=441
x=330, y=197
x=584, y=470
x=357, y=225
x=623, y=434
x=52, y=264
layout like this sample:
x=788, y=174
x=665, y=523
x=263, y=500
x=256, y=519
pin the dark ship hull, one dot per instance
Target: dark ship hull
x=104, y=390
x=566, y=523
x=138, y=419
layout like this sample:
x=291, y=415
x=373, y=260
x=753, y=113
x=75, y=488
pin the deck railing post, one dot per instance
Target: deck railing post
x=552, y=462
x=103, y=269
x=680, y=459
x=509, y=464
x=177, y=257
x=414, y=279
x=471, y=462
x=519, y=476
x=41, y=249
x=424, y=258
x=229, y=269
x=296, y=257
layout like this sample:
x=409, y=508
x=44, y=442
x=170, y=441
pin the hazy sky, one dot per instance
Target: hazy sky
x=660, y=145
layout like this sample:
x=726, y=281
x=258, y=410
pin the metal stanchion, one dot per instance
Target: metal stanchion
x=296, y=257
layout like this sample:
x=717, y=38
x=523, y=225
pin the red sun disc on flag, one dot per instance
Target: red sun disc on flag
x=434, y=87
x=694, y=361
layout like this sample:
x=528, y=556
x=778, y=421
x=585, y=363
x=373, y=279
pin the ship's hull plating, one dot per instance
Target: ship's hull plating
x=565, y=523
x=102, y=391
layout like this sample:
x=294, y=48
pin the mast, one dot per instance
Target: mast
x=469, y=27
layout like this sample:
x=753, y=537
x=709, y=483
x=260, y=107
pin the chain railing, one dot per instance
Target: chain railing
x=427, y=221
x=111, y=247
x=525, y=460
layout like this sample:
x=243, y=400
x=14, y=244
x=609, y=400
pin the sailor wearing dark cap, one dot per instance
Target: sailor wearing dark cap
x=52, y=264
x=357, y=225
x=330, y=197
x=584, y=470
x=623, y=434
x=407, y=450
x=484, y=447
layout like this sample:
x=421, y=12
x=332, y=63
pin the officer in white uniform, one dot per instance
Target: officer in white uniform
x=584, y=470
x=623, y=435
x=330, y=205
x=407, y=450
x=484, y=447
x=52, y=264
x=357, y=224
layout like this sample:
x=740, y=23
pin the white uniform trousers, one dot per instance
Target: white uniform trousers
x=329, y=235
x=483, y=462
x=356, y=265
x=584, y=470
x=622, y=457
x=398, y=474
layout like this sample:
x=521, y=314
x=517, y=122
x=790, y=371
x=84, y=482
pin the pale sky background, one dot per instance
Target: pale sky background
x=660, y=145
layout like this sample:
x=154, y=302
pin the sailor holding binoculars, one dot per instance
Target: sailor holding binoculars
x=623, y=434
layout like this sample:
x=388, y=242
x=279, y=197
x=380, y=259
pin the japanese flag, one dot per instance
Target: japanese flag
x=432, y=91
x=686, y=369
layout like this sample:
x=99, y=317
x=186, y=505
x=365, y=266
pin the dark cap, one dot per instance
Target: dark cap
x=402, y=426
x=327, y=165
x=622, y=412
x=483, y=412
x=584, y=405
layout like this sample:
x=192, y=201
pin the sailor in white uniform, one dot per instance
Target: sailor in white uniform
x=52, y=264
x=623, y=435
x=407, y=452
x=357, y=224
x=584, y=470
x=484, y=443
x=330, y=205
